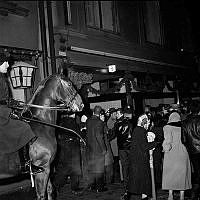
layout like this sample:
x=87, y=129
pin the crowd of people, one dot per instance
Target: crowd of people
x=117, y=151
x=117, y=148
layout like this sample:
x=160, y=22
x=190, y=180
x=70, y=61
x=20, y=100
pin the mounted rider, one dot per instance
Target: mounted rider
x=15, y=135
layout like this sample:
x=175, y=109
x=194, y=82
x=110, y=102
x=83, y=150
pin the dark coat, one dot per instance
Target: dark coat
x=190, y=134
x=96, y=147
x=122, y=130
x=14, y=134
x=139, y=171
x=69, y=153
x=158, y=154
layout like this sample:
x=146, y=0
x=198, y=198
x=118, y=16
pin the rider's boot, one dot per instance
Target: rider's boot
x=26, y=162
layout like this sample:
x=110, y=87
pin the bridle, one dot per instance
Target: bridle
x=65, y=105
x=71, y=100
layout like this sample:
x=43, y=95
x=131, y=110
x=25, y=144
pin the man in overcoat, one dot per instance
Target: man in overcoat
x=96, y=150
x=113, y=143
x=68, y=160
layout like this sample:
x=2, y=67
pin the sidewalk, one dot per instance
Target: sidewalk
x=23, y=191
x=13, y=185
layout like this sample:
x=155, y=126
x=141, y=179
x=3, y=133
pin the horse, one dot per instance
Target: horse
x=43, y=106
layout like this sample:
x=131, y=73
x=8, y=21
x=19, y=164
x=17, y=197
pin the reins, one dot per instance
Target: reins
x=46, y=107
x=54, y=126
x=20, y=105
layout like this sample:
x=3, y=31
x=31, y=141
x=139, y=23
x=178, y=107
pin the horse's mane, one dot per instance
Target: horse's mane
x=41, y=85
x=43, y=82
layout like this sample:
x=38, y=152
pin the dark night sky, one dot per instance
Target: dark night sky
x=194, y=13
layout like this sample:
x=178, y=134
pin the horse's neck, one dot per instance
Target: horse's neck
x=44, y=114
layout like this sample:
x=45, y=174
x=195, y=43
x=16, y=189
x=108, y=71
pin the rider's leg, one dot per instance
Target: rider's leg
x=25, y=161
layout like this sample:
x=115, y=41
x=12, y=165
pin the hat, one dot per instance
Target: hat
x=102, y=112
x=174, y=117
x=3, y=58
x=120, y=110
x=112, y=110
x=174, y=106
x=127, y=110
x=4, y=94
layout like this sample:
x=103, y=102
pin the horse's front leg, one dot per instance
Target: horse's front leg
x=42, y=153
x=49, y=190
x=41, y=180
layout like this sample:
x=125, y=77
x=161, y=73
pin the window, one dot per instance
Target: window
x=102, y=15
x=152, y=22
x=107, y=18
x=92, y=14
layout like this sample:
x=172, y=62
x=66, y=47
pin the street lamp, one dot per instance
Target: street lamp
x=22, y=75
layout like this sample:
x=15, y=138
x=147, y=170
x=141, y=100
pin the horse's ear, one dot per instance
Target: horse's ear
x=64, y=68
x=65, y=72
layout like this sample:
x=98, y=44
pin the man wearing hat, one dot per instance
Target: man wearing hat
x=15, y=135
x=96, y=150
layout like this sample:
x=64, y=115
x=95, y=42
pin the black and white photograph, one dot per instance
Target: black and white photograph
x=99, y=100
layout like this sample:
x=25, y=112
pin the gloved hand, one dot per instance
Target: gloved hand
x=15, y=114
x=12, y=103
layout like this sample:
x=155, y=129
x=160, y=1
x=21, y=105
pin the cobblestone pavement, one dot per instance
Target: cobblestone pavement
x=114, y=193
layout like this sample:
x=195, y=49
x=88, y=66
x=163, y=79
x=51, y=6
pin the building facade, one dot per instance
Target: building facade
x=149, y=43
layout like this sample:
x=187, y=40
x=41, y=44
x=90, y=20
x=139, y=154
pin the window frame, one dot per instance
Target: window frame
x=115, y=18
x=161, y=27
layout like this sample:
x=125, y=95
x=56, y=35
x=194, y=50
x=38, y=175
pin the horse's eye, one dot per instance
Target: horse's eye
x=69, y=84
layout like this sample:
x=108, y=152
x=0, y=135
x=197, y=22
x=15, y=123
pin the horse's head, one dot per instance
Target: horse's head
x=67, y=94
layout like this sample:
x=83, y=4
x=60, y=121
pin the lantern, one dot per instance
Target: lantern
x=22, y=75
